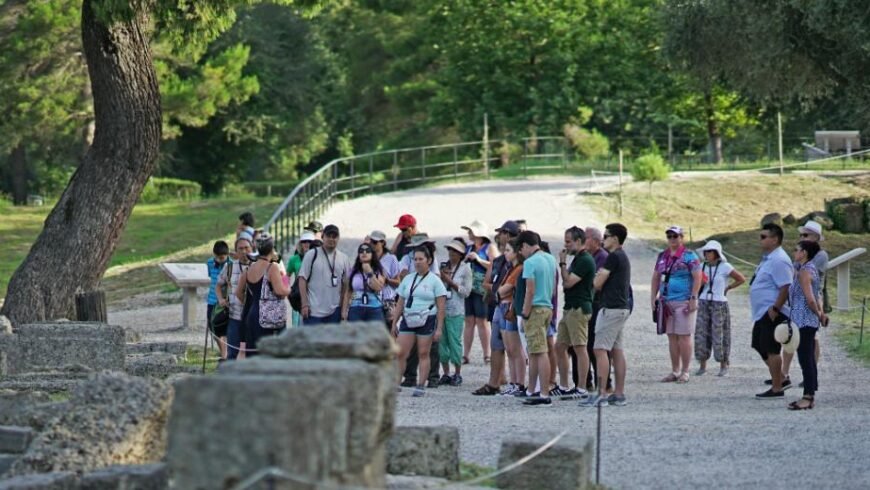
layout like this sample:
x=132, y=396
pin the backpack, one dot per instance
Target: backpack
x=295, y=296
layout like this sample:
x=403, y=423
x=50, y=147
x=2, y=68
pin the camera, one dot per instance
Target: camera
x=444, y=265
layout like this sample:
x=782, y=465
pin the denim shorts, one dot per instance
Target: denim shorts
x=496, y=342
x=426, y=330
x=500, y=311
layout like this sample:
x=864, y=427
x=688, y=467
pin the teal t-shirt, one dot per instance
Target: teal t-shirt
x=541, y=267
x=426, y=289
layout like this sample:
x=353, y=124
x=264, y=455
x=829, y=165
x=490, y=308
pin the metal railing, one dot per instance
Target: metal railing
x=376, y=172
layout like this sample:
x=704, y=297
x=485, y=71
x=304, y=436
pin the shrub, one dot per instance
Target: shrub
x=160, y=189
x=589, y=144
x=509, y=152
x=650, y=168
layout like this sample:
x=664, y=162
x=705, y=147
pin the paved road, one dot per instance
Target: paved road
x=710, y=432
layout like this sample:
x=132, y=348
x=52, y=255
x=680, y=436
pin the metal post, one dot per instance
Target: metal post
x=863, y=311
x=395, y=170
x=779, y=130
x=621, y=204
x=372, y=174
x=423, y=163
x=598, y=448
x=671, y=144
x=455, y=163
x=485, y=145
x=352, y=179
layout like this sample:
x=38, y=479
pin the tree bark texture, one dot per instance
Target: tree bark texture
x=19, y=174
x=80, y=235
x=714, y=135
x=91, y=306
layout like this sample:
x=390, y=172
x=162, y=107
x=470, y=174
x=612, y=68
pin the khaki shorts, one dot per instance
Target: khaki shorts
x=536, y=329
x=573, y=328
x=608, y=328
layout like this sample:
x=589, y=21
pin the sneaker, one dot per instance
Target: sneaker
x=433, y=383
x=617, y=400
x=593, y=401
x=509, y=390
x=723, y=372
x=419, y=391
x=770, y=394
x=785, y=384
x=409, y=382
x=557, y=391
x=538, y=401
x=800, y=385
x=445, y=379
x=522, y=392
x=456, y=380
x=701, y=372
x=574, y=394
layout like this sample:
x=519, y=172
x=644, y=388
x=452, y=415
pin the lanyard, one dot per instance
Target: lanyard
x=331, y=265
x=713, y=273
x=415, y=284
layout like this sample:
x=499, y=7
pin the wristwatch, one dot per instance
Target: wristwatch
x=562, y=264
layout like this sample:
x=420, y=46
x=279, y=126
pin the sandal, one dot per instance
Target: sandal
x=670, y=378
x=796, y=405
x=683, y=379
x=486, y=359
x=485, y=390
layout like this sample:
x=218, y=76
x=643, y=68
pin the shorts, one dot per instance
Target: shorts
x=426, y=330
x=509, y=326
x=762, y=335
x=218, y=332
x=573, y=328
x=536, y=329
x=490, y=311
x=475, y=306
x=680, y=320
x=608, y=328
x=496, y=341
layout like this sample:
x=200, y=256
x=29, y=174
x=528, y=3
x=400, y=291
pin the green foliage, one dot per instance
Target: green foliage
x=650, y=168
x=589, y=144
x=159, y=190
x=509, y=152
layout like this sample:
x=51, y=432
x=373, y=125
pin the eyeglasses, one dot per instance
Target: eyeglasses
x=671, y=236
x=805, y=235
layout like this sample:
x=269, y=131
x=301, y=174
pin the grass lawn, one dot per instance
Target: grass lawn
x=729, y=209
x=153, y=232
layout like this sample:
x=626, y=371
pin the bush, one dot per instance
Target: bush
x=589, y=144
x=650, y=168
x=508, y=152
x=236, y=190
x=159, y=189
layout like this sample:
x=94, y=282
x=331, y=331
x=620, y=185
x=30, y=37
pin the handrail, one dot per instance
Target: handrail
x=841, y=264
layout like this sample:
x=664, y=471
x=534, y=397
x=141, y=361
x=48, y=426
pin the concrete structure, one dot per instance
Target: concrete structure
x=188, y=277
x=54, y=346
x=566, y=465
x=424, y=451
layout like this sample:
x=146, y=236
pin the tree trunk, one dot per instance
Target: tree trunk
x=713, y=135
x=79, y=236
x=19, y=174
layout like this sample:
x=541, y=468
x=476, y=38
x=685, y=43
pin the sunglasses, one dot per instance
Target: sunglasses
x=671, y=236
x=365, y=251
x=763, y=236
x=805, y=235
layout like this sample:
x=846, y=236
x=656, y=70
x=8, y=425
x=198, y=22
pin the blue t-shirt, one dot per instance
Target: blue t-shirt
x=679, y=287
x=426, y=289
x=214, y=272
x=773, y=272
x=541, y=267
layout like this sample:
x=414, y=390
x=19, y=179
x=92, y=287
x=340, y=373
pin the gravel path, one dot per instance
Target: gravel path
x=711, y=431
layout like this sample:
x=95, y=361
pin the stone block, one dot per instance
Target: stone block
x=177, y=349
x=6, y=461
x=109, y=419
x=566, y=465
x=11, y=400
x=15, y=439
x=774, y=218
x=63, y=480
x=54, y=345
x=156, y=365
x=302, y=415
x=127, y=477
x=425, y=451
x=850, y=217
x=819, y=217
x=368, y=341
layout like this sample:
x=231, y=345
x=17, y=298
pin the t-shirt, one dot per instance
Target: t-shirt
x=513, y=278
x=236, y=305
x=820, y=261
x=324, y=295
x=214, y=271
x=773, y=272
x=390, y=264
x=425, y=290
x=717, y=281
x=580, y=295
x=541, y=267
x=600, y=257
x=614, y=293
x=680, y=266
x=483, y=253
x=456, y=299
x=359, y=287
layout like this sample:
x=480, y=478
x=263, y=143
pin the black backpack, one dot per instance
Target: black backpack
x=295, y=296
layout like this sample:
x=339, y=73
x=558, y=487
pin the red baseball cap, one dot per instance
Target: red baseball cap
x=406, y=221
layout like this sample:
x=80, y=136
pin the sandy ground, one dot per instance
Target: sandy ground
x=711, y=431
